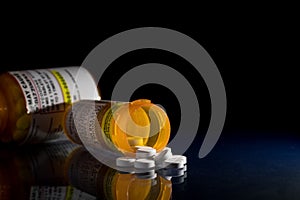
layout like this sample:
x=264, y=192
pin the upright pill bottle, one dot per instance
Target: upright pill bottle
x=112, y=129
x=33, y=102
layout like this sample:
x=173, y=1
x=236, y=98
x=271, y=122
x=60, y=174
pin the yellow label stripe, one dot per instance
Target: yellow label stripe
x=64, y=86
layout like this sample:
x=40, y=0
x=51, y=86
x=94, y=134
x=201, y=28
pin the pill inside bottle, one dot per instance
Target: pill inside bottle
x=118, y=126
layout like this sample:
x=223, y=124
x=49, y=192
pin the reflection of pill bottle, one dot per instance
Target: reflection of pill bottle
x=118, y=125
x=28, y=168
x=32, y=102
x=89, y=175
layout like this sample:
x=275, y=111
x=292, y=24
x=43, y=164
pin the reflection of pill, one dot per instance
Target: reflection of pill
x=173, y=172
x=163, y=155
x=154, y=181
x=177, y=180
x=175, y=161
x=23, y=122
x=144, y=164
x=145, y=153
x=125, y=162
x=167, y=177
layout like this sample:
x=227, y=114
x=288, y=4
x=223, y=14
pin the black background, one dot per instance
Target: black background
x=256, y=57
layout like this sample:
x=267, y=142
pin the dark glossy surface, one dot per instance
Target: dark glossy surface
x=62, y=170
x=252, y=168
x=237, y=168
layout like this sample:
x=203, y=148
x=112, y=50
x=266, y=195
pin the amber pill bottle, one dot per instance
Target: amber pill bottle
x=107, y=126
x=33, y=102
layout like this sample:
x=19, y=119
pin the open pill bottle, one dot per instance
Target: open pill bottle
x=112, y=129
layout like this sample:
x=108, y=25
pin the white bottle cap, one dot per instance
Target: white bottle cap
x=125, y=162
x=144, y=164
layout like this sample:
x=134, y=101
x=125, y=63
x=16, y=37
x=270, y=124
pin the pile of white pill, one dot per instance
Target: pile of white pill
x=147, y=161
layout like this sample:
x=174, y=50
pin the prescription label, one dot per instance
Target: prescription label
x=89, y=122
x=82, y=124
x=47, y=93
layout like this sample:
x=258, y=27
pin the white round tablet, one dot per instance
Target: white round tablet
x=175, y=161
x=144, y=164
x=125, y=162
x=163, y=155
x=180, y=157
x=145, y=153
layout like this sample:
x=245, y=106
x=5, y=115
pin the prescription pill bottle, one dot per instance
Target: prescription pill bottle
x=111, y=129
x=33, y=102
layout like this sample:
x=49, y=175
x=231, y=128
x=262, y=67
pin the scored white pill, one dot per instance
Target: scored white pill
x=144, y=164
x=163, y=155
x=145, y=152
x=175, y=161
x=180, y=157
x=125, y=162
